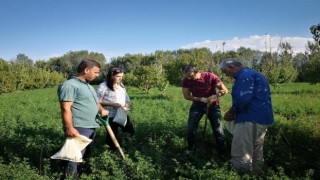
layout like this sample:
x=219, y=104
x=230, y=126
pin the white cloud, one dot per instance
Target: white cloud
x=109, y=55
x=256, y=42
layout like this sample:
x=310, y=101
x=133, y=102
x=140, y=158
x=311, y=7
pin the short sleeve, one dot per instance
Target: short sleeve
x=215, y=79
x=184, y=83
x=66, y=92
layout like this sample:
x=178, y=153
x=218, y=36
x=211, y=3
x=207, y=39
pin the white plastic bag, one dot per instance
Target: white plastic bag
x=121, y=116
x=71, y=150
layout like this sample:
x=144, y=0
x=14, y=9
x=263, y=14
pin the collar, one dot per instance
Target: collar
x=236, y=75
x=78, y=79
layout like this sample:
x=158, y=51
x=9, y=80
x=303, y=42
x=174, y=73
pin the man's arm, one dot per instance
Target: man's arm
x=66, y=115
x=102, y=111
x=222, y=89
x=187, y=95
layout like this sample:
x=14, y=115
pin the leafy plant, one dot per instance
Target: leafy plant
x=31, y=120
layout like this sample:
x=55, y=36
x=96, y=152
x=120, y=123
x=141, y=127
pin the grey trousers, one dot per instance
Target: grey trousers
x=247, y=146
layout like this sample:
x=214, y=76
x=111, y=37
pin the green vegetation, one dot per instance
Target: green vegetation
x=315, y=30
x=16, y=76
x=30, y=132
x=161, y=68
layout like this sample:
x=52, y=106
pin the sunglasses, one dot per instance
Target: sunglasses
x=116, y=71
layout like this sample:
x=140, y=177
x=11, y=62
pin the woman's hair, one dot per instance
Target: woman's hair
x=111, y=73
x=88, y=63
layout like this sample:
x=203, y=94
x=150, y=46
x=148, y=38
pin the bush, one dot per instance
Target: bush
x=19, y=170
x=15, y=76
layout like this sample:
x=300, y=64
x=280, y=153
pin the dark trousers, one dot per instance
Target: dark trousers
x=71, y=168
x=214, y=115
x=115, y=128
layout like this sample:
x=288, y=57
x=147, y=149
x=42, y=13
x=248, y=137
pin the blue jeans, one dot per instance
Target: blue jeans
x=71, y=168
x=214, y=115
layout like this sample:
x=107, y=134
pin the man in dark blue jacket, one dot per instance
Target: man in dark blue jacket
x=252, y=114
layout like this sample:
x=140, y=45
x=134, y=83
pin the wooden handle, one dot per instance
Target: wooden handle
x=114, y=140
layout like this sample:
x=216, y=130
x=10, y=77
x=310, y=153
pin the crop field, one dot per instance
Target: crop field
x=31, y=132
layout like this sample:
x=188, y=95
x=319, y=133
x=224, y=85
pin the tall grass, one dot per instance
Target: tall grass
x=30, y=132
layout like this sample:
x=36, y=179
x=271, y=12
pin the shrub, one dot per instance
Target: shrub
x=15, y=76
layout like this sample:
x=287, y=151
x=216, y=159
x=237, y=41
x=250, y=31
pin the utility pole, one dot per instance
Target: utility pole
x=267, y=36
x=224, y=43
x=265, y=41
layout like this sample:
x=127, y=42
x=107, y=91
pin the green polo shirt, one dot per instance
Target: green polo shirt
x=84, y=98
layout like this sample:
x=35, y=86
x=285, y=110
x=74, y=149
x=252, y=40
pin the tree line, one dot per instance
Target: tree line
x=19, y=76
x=161, y=68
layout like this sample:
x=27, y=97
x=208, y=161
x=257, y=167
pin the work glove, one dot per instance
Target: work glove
x=204, y=100
x=212, y=98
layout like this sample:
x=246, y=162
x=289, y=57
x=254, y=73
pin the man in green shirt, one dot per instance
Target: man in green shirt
x=79, y=107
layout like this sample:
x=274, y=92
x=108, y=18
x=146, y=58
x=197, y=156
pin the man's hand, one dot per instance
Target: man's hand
x=71, y=132
x=222, y=93
x=229, y=116
x=212, y=99
x=104, y=113
x=222, y=89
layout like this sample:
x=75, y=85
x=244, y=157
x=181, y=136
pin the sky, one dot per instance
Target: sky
x=42, y=29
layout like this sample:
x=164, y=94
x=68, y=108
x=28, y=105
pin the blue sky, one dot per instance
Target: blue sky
x=42, y=29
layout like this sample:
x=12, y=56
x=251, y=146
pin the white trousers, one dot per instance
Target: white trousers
x=247, y=146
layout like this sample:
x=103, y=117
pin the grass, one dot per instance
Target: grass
x=30, y=132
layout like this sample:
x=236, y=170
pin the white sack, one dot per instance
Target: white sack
x=121, y=116
x=71, y=150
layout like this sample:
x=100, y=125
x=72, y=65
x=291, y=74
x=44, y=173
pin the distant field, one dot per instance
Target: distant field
x=30, y=132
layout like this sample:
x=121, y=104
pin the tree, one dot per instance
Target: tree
x=268, y=66
x=311, y=68
x=278, y=67
x=299, y=59
x=315, y=30
x=41, y=64
x=24, y=60
x=246, y=56
x=128, y=62
x=68, y=63
x=287, y=71
x=147, y=77
x=312, y=48
x=202, y=58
